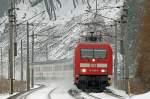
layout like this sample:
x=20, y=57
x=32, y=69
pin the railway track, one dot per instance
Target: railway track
x=49, y=95
x=30, y=92
x=26, y=94
x=78, y=94
x=93, y=96
x=23, y=95
x=113, y=94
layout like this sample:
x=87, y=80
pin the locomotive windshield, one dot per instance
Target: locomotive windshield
x=86, y=53
x=93, y=53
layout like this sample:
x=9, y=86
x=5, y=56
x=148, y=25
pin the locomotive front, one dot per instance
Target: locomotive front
x=92, y=66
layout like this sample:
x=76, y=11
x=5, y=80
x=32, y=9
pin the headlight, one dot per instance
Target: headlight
x=93, y=60
x=102, y=65
x=84, y=65
x=103, y=70
x=83, y=70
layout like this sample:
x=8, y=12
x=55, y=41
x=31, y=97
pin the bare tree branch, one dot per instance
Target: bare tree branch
x=89, y=4
x=59, y=3
x=74, y=3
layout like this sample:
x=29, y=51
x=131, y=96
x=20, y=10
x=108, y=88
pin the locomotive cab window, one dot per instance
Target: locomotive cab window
x=99, y=53
x=86, y=53
x=93, y=53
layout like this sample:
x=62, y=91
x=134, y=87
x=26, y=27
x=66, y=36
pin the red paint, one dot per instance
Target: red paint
x=92, y=70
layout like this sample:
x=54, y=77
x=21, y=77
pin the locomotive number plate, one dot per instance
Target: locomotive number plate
x=93, y=70
x=93, y=65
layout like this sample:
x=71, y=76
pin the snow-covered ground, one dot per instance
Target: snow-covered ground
x=5, y=96
x=141, y=96
x=62, y=86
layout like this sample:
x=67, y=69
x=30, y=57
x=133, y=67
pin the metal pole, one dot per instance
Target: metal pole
x=28, y=67
x=46, y=51
x=96, y=6
x=122, y=49
x=1, y=64
x=15, y=34
x=32, y=80
x=21, y=62
x=116, y=59
x=11, y=43
x=122, y=53
x=126, y=62
x=125, y=46
x=1, y=70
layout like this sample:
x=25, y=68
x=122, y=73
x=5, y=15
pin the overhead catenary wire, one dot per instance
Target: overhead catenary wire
x=31, y=17
x=34, y=28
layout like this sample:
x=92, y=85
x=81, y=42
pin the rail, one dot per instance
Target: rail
x=24, y=94
x=77, y=94
x=49, y=95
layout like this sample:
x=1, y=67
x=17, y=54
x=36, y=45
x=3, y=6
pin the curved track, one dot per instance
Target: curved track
x=26, y=94
x=44, y=93
x=49, y=95
x=78, y=94
x=59, y=93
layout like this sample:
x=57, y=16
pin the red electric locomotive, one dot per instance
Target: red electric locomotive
x=92, y=65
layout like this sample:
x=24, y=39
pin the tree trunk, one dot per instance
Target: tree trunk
x=143, y=48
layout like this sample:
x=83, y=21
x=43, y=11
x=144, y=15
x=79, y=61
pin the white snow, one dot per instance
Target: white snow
x=6, y=95
x=118, y=92
x=103, y=96
x=41, y=94
x=64, y=85
x=62, y=90
x=61, y=85
x=141, y=96
x=125, y=96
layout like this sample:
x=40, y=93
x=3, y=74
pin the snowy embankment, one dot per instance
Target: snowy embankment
x=141, y=96
x=5, y=96
x=57, y=88
x=131, y=96
x=62, y=86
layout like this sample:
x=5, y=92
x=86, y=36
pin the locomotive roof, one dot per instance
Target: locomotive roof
x=84, y=44
x=92, y=43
